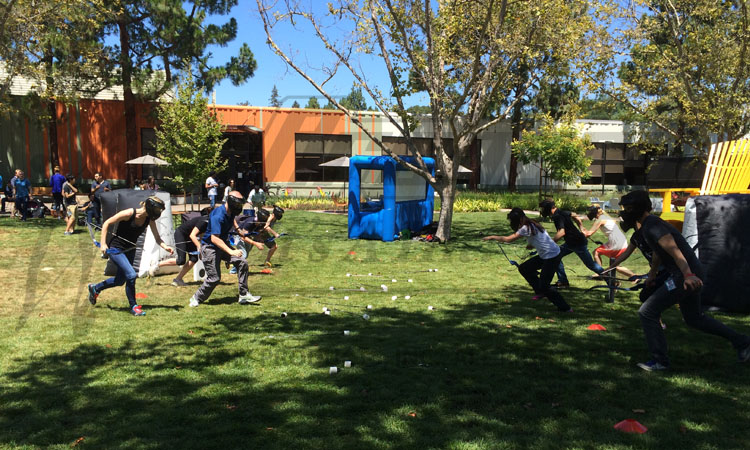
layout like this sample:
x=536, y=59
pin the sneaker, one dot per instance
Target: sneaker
x=92, y=294
x=538, y=297
x=744, y=354
x=560, y=284
x=67, y=233
x=194, y=302
x=653, y=366
x=233, y=270
x=248, y=298
x=179, y=282
x=137, y=311
x=268, y=264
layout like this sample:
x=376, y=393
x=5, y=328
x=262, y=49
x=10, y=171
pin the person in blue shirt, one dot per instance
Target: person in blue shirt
x=98, y=186
x=22, y=187
x=215, y=248
x=56, y=181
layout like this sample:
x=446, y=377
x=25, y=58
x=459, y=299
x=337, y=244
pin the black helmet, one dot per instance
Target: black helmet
x=154, y=207
x=634, y=205
x=235, y=204
x=593, y=212
x=278, y=212
x=262, y=215
x=546, y=206
x=514, y=217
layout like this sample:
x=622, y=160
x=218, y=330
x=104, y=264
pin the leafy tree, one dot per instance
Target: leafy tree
x=189, y=137
x=355, y=101
x=685, y=70
x=295, y=104
x=160, y=37
x=560, y=151
x=460, y=53
x=312, y=103
x=274, y=100
x=245, y=103
x=419, y=110
x=329, y=105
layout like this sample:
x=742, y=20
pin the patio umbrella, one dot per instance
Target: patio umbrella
x=462, y=169
x=342, y=161
x=148, y=159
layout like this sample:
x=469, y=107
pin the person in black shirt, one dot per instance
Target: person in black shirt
x=131, y=223
x=186, y=240
x=575, y=241
x=683, y=284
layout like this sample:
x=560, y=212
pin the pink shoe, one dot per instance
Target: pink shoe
x=537, y=297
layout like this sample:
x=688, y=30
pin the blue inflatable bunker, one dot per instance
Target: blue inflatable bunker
x=407, y=201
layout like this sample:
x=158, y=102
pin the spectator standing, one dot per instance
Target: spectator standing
x=98, y=186
x=21, y=189
x=212, y=185
x=8, y=198
x=151, y=184
x=56, y=181
x=69, y=192
x=13, y=192
x=136, y=184
x=257, y=198
x=230, y=187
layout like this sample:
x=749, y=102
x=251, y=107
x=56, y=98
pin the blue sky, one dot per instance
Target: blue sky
x=272, y=70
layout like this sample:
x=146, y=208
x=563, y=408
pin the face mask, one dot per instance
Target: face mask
x=153, y=209
x=629, y=219
x=234, y=205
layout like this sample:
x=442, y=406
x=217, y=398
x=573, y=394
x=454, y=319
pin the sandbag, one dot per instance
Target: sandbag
x=724, y=243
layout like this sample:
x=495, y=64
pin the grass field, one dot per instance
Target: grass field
x=487, y=367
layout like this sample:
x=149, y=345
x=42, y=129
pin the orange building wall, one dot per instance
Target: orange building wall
x=279, y=127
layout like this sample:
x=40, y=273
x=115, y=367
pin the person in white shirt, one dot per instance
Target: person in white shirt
x=257, y=198
x=211, y=185
x=547, y=258
x=228, y=189
x=616, y=243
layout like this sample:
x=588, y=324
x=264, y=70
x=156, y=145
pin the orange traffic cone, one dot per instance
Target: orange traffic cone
x=630, y=426
x=596, y=327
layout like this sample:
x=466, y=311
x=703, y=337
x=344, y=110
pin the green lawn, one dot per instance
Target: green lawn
x=486, y=368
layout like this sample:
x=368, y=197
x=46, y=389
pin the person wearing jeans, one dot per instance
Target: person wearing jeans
x=215, y=249
x=683, y=286
x=22, y=188
x=211, y=186
x=131, y=223
x=575, y=241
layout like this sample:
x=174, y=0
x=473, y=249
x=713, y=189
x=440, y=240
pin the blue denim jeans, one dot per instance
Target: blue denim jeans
x=583, y=253
x=212, y=199
x=22, y=206
x=125, y=275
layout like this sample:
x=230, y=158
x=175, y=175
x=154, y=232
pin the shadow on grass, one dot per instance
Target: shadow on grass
x=443, y=378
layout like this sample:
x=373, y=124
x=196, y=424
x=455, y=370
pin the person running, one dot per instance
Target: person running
x=215, y=248
x=260, y=232
x=57, y=180
x=683, y=286
x=547, y=258
x=186, y=238
x=21, y=189
x=575, y=241
x=616, y=244
x=69, y=192
x=212, y=185
x=131, y=223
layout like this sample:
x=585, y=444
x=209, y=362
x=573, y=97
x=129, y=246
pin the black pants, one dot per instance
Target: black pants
x=540, y=282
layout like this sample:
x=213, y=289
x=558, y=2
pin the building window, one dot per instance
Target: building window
x=312, y=150
x=398, y=145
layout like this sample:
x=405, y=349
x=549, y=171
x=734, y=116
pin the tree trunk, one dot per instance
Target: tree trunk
x=54, y=156
x=446, y=191
x=131, y=128
x=515, y=135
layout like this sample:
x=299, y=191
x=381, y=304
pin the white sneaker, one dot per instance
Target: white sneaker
x=178, y=283
x=194, y=302
x=249, y=298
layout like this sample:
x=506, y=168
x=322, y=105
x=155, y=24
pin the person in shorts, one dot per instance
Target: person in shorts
x=260, y=232
x=69, y=192
x=617, y=242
